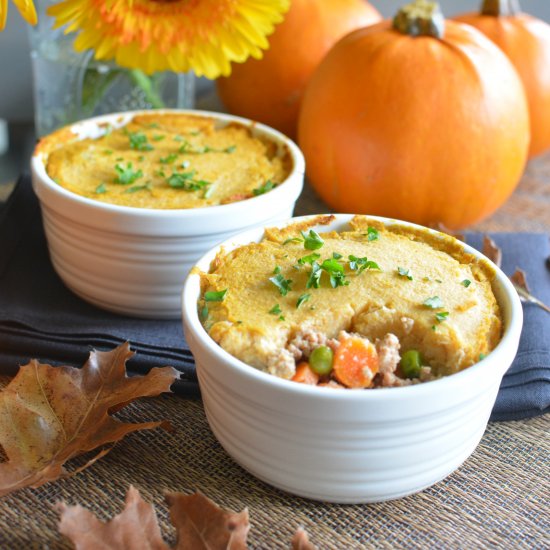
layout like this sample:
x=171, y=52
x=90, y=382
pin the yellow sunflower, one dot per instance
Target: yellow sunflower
x=26, y=9
x=177, y=35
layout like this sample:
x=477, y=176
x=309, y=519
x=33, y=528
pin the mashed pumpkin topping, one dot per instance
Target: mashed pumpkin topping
x=167, y=161
x=367, y=307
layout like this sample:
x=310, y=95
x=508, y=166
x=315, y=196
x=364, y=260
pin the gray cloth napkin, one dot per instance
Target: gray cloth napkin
x=40, y=318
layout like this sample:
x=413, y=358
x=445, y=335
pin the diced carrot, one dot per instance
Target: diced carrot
x=305, y=375
x=355, y=362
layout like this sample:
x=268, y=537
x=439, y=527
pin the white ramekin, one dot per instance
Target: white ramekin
x=346, y=446
x=134, y=260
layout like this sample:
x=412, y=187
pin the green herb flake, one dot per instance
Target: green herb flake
x=309, y=259
x=264, y=188
x=141, y=158
x=281, y=318
x=302, y=299
x=215, y=296
x=336, y=256
x=204, y=313
x=126, y=175
x=441, y=316
x=194, y=133
x=135, y=188
x=186, y=181
x=312, y=240
x=101, y=188
x=482, y=356
x=153, y=125
x=361, y=264
x=158, y=137
x=466, y=283
x=372, y=234
x=169, y=159
x=293, y=240
x=439, y=281
x=277, y=270
x=230, y=149
x=314, y=279
x=434, y=302
x=275, y=310
x=178, y=138
x=138, y=141
x=403, y=272
x=335, y=271
x=108, y=151
x=284, y=285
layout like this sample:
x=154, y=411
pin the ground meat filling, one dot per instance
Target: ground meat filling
x=306, y=340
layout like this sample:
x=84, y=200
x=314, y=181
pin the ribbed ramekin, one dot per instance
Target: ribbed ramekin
x=134, y=260
x=346, y=446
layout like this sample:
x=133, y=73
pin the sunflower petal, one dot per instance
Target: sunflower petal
x=201, y=35
x=3, y=13
x=27, y=10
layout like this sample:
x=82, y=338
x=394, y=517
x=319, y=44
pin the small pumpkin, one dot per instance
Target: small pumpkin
x=420, y=119
x=526, y=42
x=270, y=89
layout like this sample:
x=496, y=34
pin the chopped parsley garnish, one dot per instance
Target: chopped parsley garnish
x=466, y=283
x=138, y=141
x=312, y=240
x=208, y=192
x=403, y=272
x=230, y=149
x=101, y=188
x=213, y=296
x=438, y=281
x=108, y=151
x=281, y=283
x=360, y=264
x=309, y=259
x=434, y=302
x=372, y=234
x=293, y=240
x=141, y=158
x=153, y=125
x=441, y=316
x=281, y=318
x=135, y=188
x=186, y=181
x=169, y=159
x=482, y=356
x=336, y=256
x=128, y=175
x=275, y=310
x=204, y=313
x=264, y=188
x=158, y=137
x=314, y=279
x=335, y=271
x=302, y=299
x=277, y=270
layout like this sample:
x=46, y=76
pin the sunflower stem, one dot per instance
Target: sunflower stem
x=500, y=7
x=420, y=18
x=145, y=83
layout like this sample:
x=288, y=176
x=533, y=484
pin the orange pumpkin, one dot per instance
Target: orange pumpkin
x=423, y=119
x=526, y=42
x=270, y=89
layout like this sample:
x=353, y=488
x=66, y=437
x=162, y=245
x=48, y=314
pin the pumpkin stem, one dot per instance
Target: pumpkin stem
x=500, y=7
x=420, y=18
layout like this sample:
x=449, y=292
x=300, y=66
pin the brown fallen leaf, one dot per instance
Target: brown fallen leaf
x=519, y=280
x=300, y=541
x=49, y=415
x=135, y=527
x=491, y=250
x=200, y=523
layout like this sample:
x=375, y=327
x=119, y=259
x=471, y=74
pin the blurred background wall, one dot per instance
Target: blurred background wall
x=15, y=66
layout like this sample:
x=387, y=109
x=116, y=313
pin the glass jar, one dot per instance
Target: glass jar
x=71, y=85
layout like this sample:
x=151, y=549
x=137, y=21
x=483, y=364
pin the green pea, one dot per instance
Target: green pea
x=320, y=360
x=411, y=363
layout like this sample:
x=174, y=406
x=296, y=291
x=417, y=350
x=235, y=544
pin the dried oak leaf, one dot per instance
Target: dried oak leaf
x=135, y=527
x=49, y=415
x=491, y=250
x=203, y=525
x=200, y=525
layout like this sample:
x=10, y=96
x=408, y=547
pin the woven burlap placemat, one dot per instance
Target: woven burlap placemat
x=497, y=498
